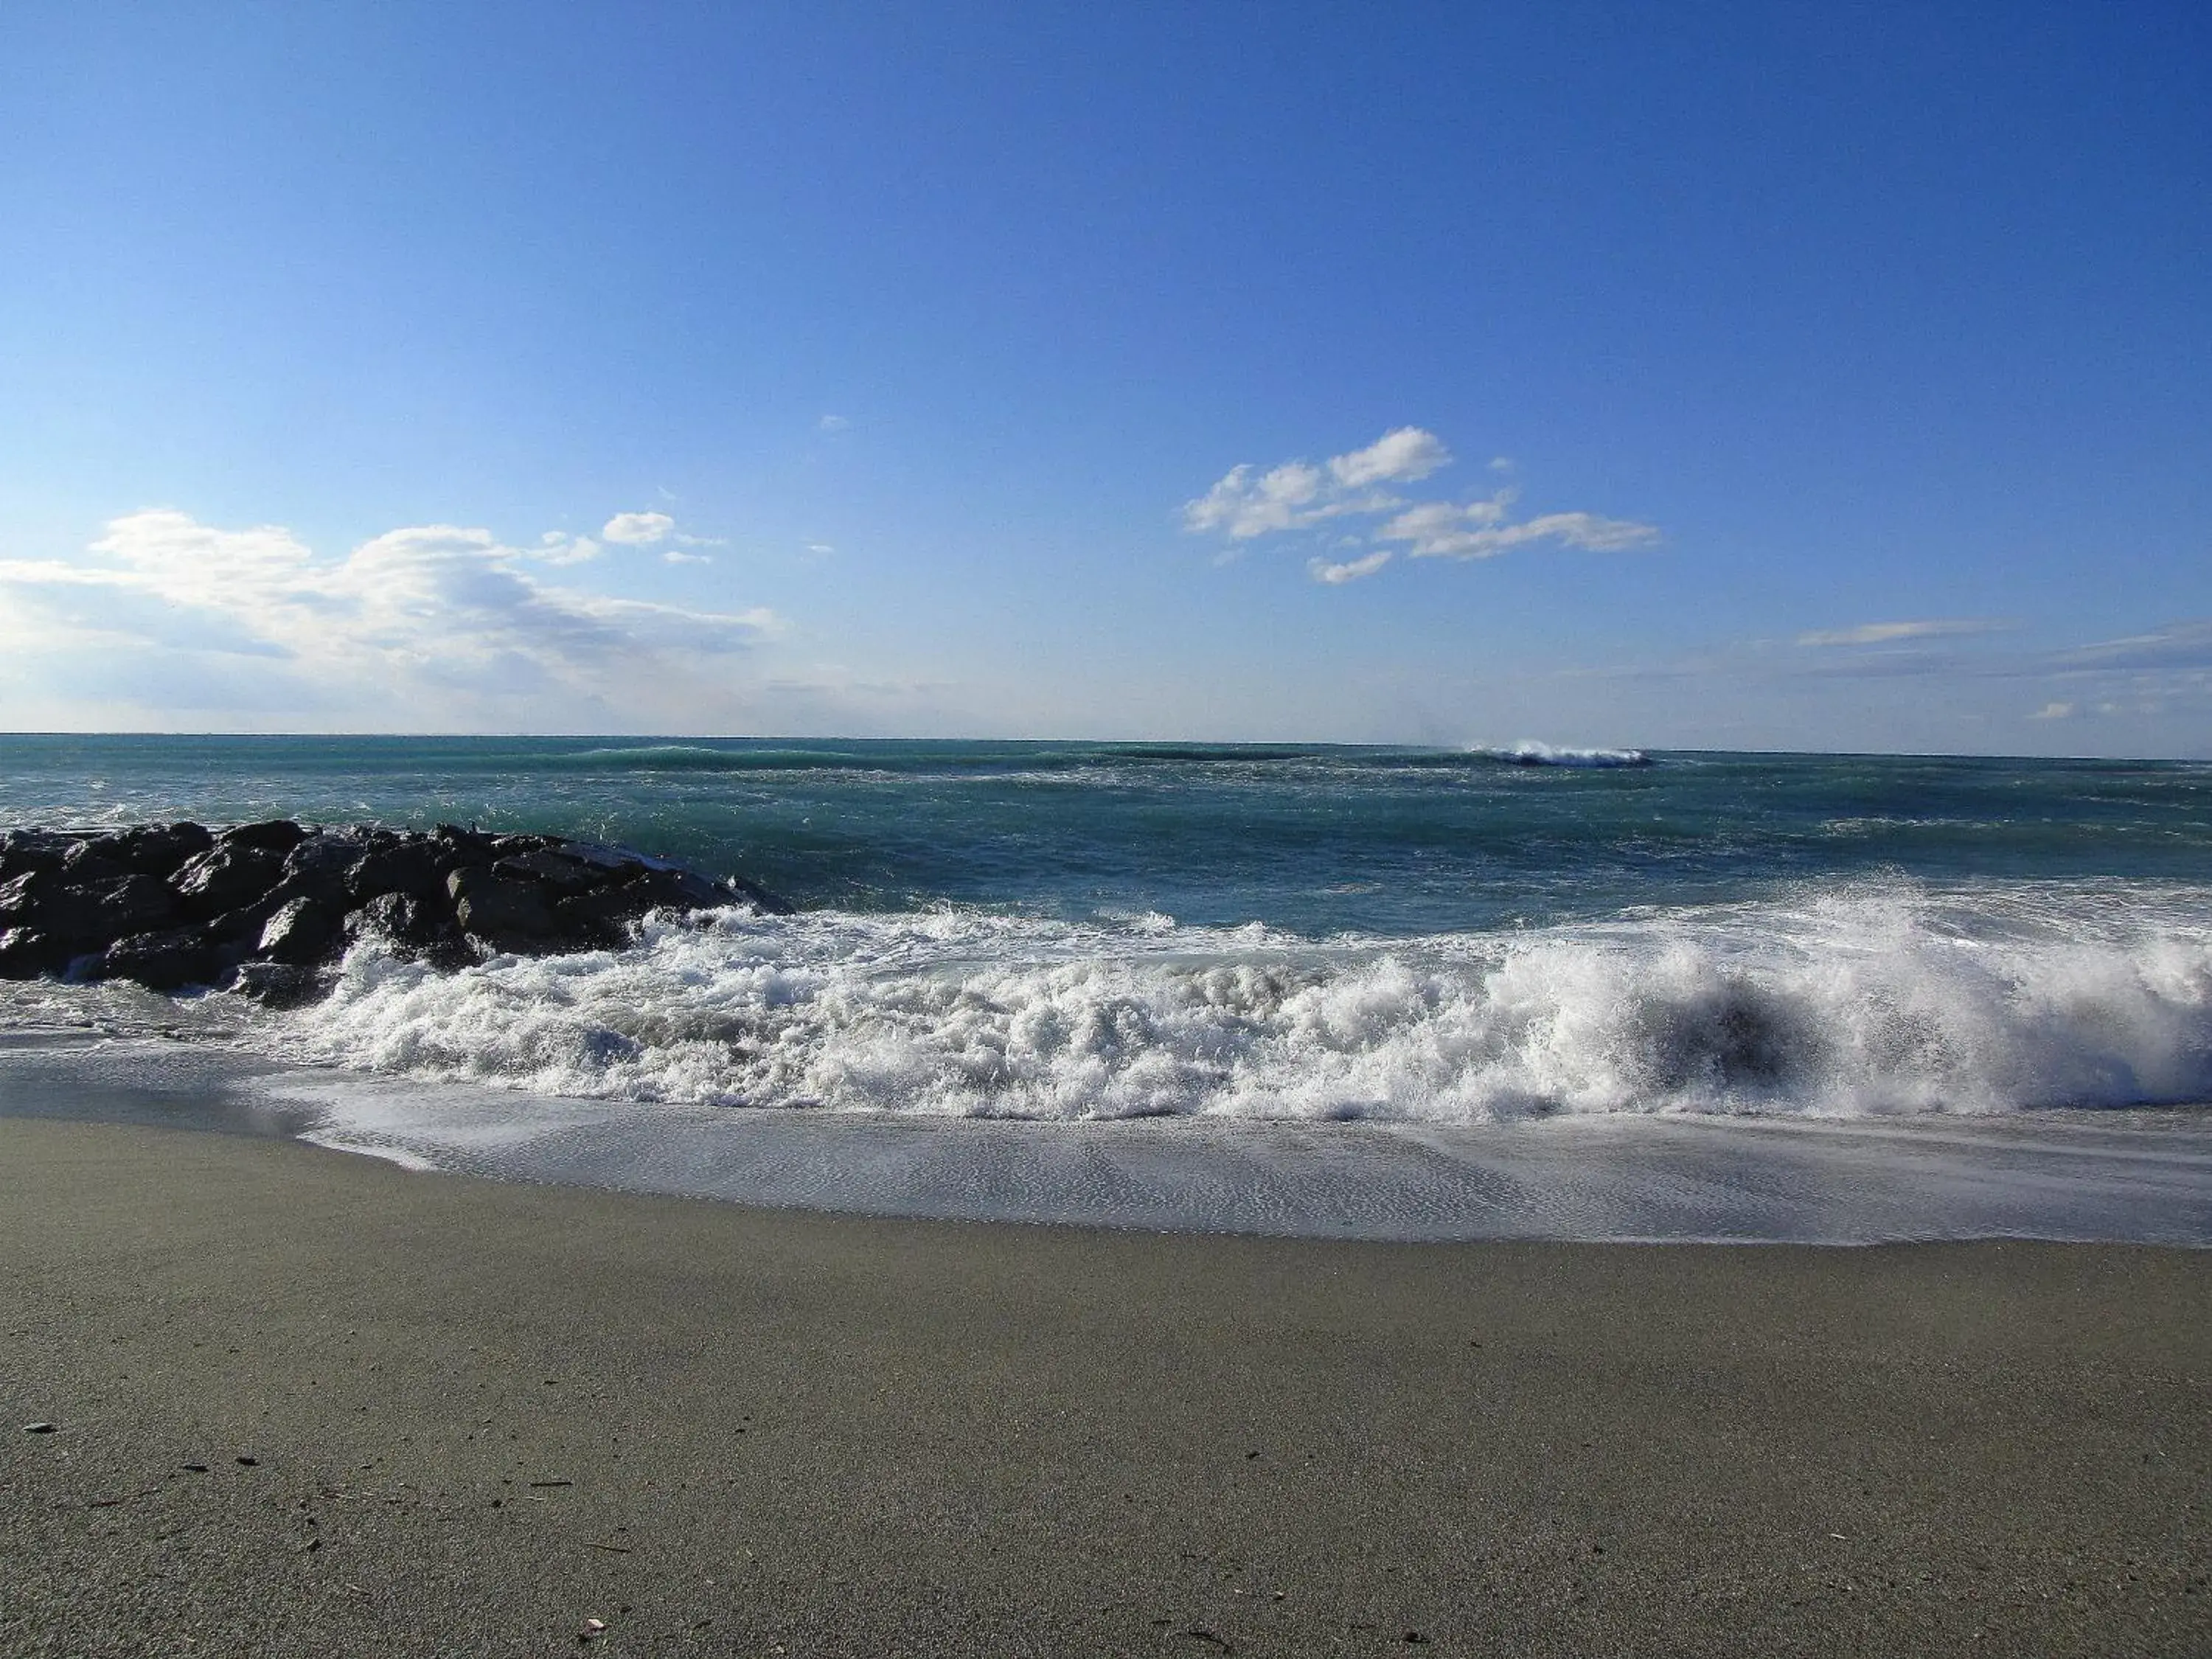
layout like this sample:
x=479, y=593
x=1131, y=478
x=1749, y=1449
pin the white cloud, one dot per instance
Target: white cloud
x=1245, y=506
x=1350, y=571
x=2053, y=711
x=675, y=555
x=1475, y=530
x=1886, y=633
x=637, y=529
x=831, y=424
x=1246, y=503
x=554, y=548
x=1400, y=456
x=1437, y=521
x=425, y=626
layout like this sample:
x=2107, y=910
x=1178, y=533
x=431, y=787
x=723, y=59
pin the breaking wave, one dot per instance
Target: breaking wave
x=1529, y=752
x=1843, y=1000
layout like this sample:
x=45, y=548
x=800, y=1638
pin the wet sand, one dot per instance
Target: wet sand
x=307, y=1403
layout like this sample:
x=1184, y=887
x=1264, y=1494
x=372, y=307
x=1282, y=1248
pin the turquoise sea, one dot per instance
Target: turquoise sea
x=1072, y=931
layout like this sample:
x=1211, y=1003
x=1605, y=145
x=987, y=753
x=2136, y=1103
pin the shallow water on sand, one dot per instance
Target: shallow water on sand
x=2133, y=1176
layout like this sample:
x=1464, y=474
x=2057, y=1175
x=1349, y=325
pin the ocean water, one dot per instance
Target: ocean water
x=1429, y=940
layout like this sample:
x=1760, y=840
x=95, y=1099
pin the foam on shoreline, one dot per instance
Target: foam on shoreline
x=2138, y=1177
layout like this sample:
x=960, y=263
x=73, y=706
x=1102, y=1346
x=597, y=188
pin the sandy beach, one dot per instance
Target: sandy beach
x=301, y=1402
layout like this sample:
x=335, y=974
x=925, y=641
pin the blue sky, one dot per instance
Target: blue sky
x=1750, y=376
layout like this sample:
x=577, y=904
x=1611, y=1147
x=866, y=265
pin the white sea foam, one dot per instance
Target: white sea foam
x=1529, y=752
x=1850, y=1001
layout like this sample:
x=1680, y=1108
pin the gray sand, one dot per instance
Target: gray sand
x=480, y=1415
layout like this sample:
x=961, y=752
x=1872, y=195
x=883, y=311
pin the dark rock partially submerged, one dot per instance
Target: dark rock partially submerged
x=263, y=908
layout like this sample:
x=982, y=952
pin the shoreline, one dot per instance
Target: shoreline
x=2140, y=1177
x=836, y=1434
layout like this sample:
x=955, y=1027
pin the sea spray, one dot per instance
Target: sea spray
x=1842, y=998
x=1530, y=752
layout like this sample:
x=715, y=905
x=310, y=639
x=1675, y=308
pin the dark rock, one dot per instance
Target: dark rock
x=685, y=890
x=26, y=953
x=767, y=903
x=401, y=918
x=159, y=849
x=507, y=846
x=507, y=915
x=226, y=877
x=412, y=867
x=270, y=835
x=165, y=961
x=604, y=915
x=321, y=867
x=453, y=835
x=302, y=932
x=137, y=904
x=414, y=926
x=556, y=867
x=281, y=984
x=22, y=851
x=587, y=922
x=243, y=926
x=21, y=895
x=282, y=899
x=84, y=918
x=90, y=861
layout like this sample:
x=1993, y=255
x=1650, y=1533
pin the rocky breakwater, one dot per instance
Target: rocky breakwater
x=265, y=908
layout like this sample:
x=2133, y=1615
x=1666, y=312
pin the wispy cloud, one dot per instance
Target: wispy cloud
x=1350, y=570
x=2185, y=646
x=1478, y=530
x=1888, y=633
x=1247, y=503
x=430, y=624
x=831, y=424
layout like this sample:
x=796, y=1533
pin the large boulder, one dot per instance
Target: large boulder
x=303, y=933
x=603, y=916
x=504, y=913
x=149, y=849
x=93, y=859
x=228, y=876
x=280, y=984
x=675, y=889
x=278, y=836
x=169, y=960
x=22, y=851
x=22, y=894
x=84, y=917
x=319, y=866
x=412, y=927
x=415, y=867
x=556, y=867
x=26, y=953
x=159, y=849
